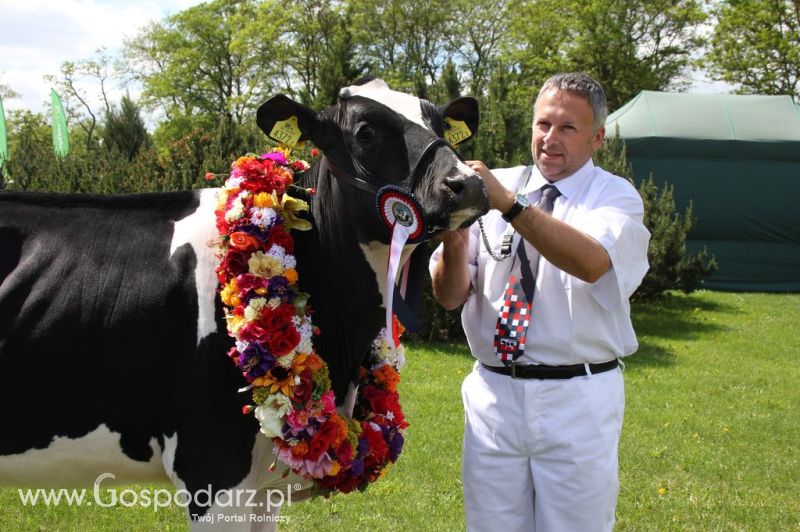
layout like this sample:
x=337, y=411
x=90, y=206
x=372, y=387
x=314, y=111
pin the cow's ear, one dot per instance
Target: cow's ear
x=286, y=121
x=461, y=119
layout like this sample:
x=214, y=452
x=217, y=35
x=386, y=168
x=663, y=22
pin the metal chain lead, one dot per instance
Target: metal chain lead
x=497, y=258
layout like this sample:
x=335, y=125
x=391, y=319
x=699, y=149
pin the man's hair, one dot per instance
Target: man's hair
x=581, y=85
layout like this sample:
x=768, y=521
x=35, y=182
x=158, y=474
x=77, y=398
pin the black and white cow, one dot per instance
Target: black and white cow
x=112, y=342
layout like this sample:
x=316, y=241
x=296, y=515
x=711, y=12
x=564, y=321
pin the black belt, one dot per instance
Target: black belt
x=540, y=371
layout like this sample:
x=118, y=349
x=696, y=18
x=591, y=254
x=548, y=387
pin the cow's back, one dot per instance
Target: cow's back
x=98, y=323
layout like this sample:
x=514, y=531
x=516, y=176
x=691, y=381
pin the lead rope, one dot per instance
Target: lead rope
x=505, y=248
x=497, y=258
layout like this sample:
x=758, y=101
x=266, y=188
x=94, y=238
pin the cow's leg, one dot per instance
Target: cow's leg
x=252, y=504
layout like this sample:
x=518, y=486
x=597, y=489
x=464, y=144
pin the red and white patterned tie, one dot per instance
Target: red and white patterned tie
x=515, y=312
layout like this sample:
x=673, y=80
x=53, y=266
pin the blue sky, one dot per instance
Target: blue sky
x=37, y=36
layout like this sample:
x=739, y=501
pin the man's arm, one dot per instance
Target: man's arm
x=450, y=275
x=562, y=245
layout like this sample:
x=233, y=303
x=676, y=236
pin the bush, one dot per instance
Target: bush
x=670, y=266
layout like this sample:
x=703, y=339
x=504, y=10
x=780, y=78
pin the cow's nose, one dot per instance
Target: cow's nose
x=455, y=183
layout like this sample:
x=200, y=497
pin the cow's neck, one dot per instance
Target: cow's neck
x=345, y=272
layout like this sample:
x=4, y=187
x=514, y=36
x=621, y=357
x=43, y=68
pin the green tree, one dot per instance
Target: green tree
x=627, y=45
x=402, y=41
x=756, y=45
x=474, y=35
x=7, y=93
x=80, y=104
x=29, y=148
x=125, y=130
x=339, y=63
x=635, y=45
x=209, y=66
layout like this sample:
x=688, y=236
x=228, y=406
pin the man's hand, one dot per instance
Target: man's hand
x=500, y=197
x=455, y=237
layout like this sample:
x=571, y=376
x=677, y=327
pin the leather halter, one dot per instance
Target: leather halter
x=367, y=186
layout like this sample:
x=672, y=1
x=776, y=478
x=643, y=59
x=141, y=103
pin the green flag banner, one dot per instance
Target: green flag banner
x=60, y=138
x=3, y=138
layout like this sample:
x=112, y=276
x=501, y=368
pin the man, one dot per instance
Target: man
x=544, y=403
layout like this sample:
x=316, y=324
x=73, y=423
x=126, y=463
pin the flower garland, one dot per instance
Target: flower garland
x=268, y=316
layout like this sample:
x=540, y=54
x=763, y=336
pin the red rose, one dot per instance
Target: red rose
x=222, y=224
x=381, y=402
x=234, y=263
x=283, y=239
x=322, y=440
x=378, y=450
x=278, y=317
x=282, y=342
x=254, y=333
x=248, y=282
x=344, y=453
x=302, y=391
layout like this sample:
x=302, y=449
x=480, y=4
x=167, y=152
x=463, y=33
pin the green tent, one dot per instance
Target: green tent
x=737, y=160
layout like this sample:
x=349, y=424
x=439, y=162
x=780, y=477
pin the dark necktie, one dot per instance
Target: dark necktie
x=515, y=313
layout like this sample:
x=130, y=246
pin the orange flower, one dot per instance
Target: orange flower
x=280, y=379
x=388, y=377
x=243, y=241
x=300, y=450
x=314, y=363
x=291, y=275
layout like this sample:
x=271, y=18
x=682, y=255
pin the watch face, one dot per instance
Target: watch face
x=522, y=199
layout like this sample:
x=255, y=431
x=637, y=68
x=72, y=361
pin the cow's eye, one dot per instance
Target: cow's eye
x=365, y=134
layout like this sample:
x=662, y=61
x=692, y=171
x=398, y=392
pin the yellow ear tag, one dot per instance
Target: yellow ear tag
x=286, y=131
x=457, y=133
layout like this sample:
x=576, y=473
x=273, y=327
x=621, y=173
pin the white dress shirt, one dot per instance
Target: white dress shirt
x=572, y=321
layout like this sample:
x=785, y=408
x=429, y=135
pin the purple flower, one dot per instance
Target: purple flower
x=255, y=361
x=357, y=467
x=254, y=230
x=395, y=446
x=279, y=287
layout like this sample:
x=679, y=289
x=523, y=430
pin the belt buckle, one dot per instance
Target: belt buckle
x=513, y=370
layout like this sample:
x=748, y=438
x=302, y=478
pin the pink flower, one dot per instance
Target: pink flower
x=276, y=156
x=329, y=401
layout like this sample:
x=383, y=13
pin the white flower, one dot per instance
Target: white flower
x=237, y=208
x=270, y=414
x=289, y=261
x=253, y=310
x=233, y=182
x=277, y=252
x=286, y=360
x=263, y=217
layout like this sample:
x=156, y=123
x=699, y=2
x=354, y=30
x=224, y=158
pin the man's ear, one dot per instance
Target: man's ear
x=461, y=118
x=287, y=121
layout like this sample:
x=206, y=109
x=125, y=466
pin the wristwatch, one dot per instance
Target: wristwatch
x=520, y=203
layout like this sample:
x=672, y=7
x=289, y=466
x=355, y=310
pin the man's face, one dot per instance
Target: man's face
x=563, y=139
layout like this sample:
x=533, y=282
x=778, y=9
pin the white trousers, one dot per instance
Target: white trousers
x=541, y=455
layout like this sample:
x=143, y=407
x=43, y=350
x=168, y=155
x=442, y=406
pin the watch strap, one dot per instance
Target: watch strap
x=512, y=213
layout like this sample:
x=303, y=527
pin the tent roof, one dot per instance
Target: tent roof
x=707, y=116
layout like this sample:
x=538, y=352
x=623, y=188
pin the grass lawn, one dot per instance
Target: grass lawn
x=711, y=438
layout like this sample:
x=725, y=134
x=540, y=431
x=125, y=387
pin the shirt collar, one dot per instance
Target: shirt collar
x=568, y=186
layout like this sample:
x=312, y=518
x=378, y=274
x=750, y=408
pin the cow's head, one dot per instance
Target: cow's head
x=374, y=137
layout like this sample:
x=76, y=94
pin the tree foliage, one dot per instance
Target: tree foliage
x=204, y=71
x=208, y=65
x=125, y=130
x=756, y=45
